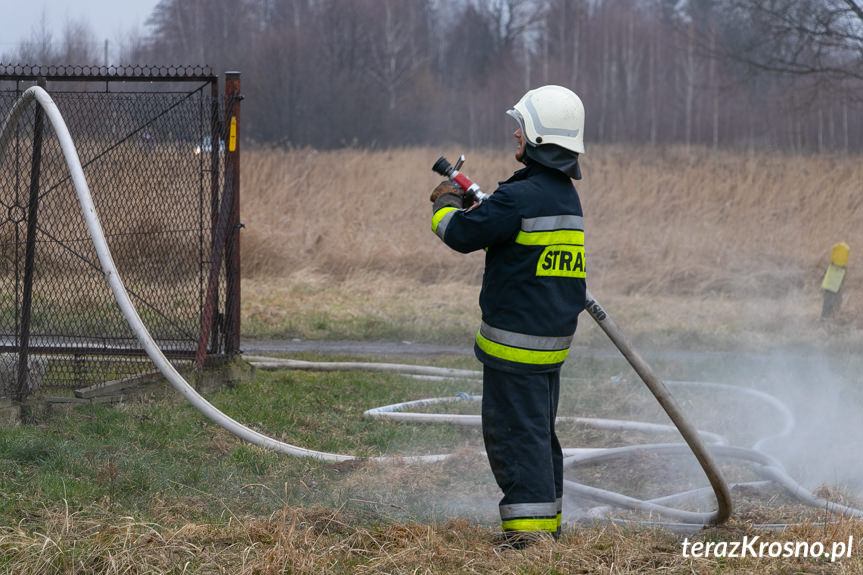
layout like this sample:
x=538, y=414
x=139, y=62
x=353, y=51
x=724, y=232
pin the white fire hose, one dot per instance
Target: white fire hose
x=693, y=437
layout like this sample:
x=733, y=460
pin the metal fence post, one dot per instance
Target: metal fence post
x=215, y=319
x=30, y=254
x=232, y=240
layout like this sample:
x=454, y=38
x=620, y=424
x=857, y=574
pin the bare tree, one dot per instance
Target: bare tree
x=329, y=73
x=510, y=20
x=396, y=48
x=277, y=60
x=801, y=37
x=201, y=31
x=39, y=48
x=128, y=45
x=79, y=44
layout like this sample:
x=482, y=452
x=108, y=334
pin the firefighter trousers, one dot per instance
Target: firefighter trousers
x=518, y=413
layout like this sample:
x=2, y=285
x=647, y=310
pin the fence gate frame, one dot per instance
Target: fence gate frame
x=219, y=332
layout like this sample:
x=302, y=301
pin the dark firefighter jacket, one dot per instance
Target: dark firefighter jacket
x=534, y=283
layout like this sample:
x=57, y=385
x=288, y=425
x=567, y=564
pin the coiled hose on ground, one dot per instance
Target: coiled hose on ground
x=769, y=467
x=766, y=466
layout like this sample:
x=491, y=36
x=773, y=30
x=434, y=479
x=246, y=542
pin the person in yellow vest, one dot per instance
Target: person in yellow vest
x=533, y=290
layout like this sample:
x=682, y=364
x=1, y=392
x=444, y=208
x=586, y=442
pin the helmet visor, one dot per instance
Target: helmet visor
x=515, y=114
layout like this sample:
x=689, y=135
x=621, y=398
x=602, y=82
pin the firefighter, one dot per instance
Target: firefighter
x=533, y=289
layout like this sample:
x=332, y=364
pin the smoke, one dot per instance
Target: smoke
x=821, y=449
x=460, y=486
x=818, y=394
x=825, y=395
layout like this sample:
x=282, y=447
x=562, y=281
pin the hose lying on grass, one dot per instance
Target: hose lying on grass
x=768, y=466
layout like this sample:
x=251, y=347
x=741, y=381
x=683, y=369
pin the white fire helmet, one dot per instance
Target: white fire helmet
x=551, y=115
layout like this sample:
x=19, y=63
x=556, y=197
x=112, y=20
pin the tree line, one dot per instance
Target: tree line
x=781, y=74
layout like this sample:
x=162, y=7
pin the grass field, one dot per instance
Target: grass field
x=148, y=486
x=685, y=248
x=690, y=251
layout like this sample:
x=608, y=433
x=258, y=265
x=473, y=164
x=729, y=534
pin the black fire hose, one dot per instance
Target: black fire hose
x=666, y=400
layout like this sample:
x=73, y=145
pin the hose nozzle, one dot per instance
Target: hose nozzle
x=444, y=168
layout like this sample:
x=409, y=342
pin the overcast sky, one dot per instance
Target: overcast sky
x=107, y=18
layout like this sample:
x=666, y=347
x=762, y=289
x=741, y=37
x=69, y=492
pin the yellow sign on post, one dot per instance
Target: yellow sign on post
x=232, y=135
x=833, y=278
x=836, y=270
x=832, y=283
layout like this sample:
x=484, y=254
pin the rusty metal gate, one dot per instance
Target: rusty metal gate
x=159, y=150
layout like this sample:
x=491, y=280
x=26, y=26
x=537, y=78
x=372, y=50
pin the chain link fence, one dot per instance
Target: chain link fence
x=151, y=144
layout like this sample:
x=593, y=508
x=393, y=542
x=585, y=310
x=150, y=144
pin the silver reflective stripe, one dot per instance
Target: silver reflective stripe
x=559, y=503
x=523, y=340
x=552, y=223
x=518, y=510
x=545, y=130
x=441, y=225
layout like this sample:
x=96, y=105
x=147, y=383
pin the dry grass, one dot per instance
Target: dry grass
x=730, y=245
x=658, y=221
x=315, y=541
x=687, y=248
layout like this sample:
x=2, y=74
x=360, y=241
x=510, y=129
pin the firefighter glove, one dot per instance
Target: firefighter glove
x=447, y=194
x=446, y=187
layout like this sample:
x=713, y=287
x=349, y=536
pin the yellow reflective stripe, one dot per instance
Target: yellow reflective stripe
x=559, y=521
x=520, y=355
x=439, y=215
x=548, y=524
x=572, y=237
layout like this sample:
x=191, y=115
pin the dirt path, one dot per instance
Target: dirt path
x=352, y=347
x=407, y=348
